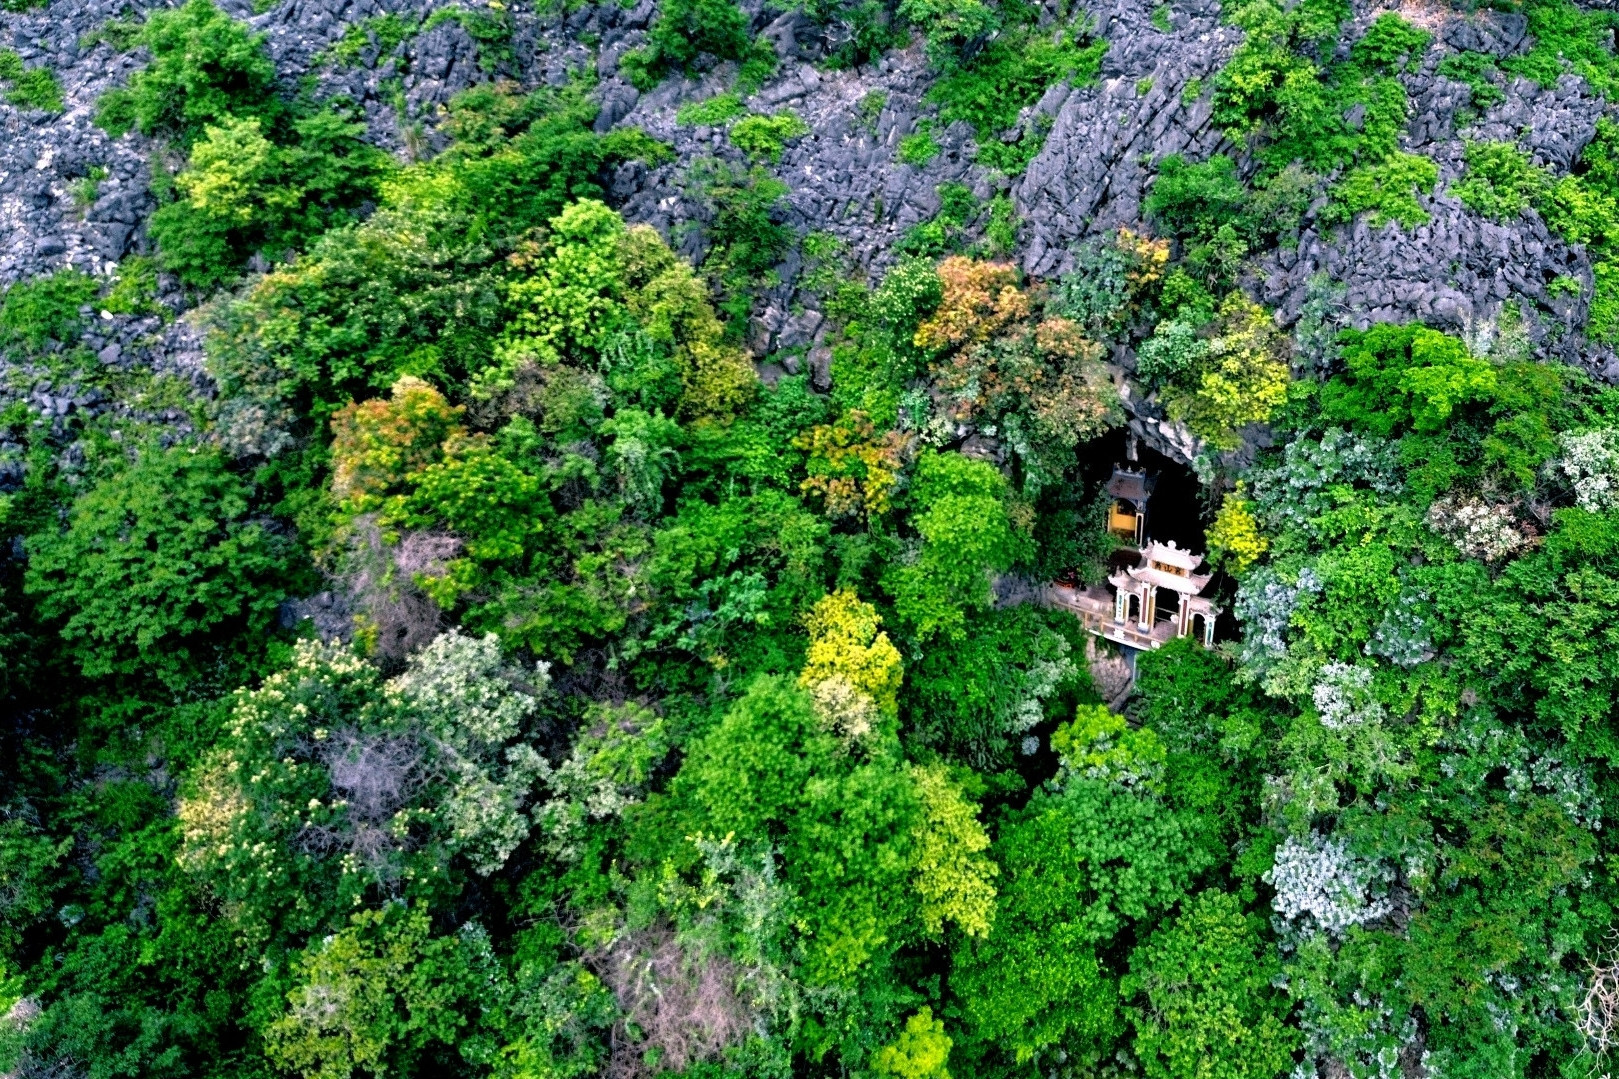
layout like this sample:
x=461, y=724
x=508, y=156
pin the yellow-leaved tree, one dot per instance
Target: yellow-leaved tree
x=851, y=669
x=954, y=877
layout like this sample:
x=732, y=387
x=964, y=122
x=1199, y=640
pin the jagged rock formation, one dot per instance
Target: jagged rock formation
x=1091, y=176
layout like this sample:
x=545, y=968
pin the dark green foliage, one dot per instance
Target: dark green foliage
x=1007, y=75
x=747, y=239
x=684, y=30
x=863, y=30
x=958, y=210
x=688, y=725
x=33, y=313
x=1012, y=671
x=158, y=568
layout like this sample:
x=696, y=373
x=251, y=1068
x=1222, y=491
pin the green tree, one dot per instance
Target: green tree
x=385, y=995
x=206, y=68
x=966, y=537
x=161, y=567
x=1210, y=1009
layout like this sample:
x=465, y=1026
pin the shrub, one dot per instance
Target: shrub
x=1241, y=379
x=243, y=193
x=1004, y=77
x=1501, y=182
x=159, y=566
x=1386, y=191
x=384, y=33
x=684, y=30
x=710, y=112
x=489, y=27
x=1567, y=37
x=978, y=300
x=206, y=68
x=31, y=88
x=1479, y=71
x=1210, y=1005
x=765, y=136
x=34, y=313
x=951, y=25
x=920, y=1052
x=917, y=149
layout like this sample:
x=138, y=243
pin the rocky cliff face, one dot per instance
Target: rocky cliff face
x=845, y=176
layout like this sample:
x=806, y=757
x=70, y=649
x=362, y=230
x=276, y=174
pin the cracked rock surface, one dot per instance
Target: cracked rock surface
x=1097, y=164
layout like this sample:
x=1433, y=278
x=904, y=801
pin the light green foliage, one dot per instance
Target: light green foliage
x=1305, y=107
x=1240, y=379
x=1568, y=37
x=763, y=137
x=373, y=997
x=1406, y=377
x=206, y=68
x=1099, y=745
x=383, y=33
x=846, y=824
x=711, y=111
x=1501, y=182
x=917, y=149
x=159, y=567
x=1386, y=191
x=1210, y=1009
x=966, y=535
x=1007, y=74
x=953, y=877
x=29, y=87
x=920, y=1052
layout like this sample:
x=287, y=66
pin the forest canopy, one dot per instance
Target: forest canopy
x=506, y=669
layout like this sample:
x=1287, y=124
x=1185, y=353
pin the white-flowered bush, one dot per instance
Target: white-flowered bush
x=1478, y=529
x=331, y=781
x=1264, y=607
x=1321, y=884
x=468, y=702
x=1294, y=491
x=1402, y=636
x=604, y=774
x=1481, y=745
x=1590, y=462
x=1343, y=696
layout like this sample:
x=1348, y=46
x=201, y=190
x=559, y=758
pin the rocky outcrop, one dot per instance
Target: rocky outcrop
x=844, y=177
